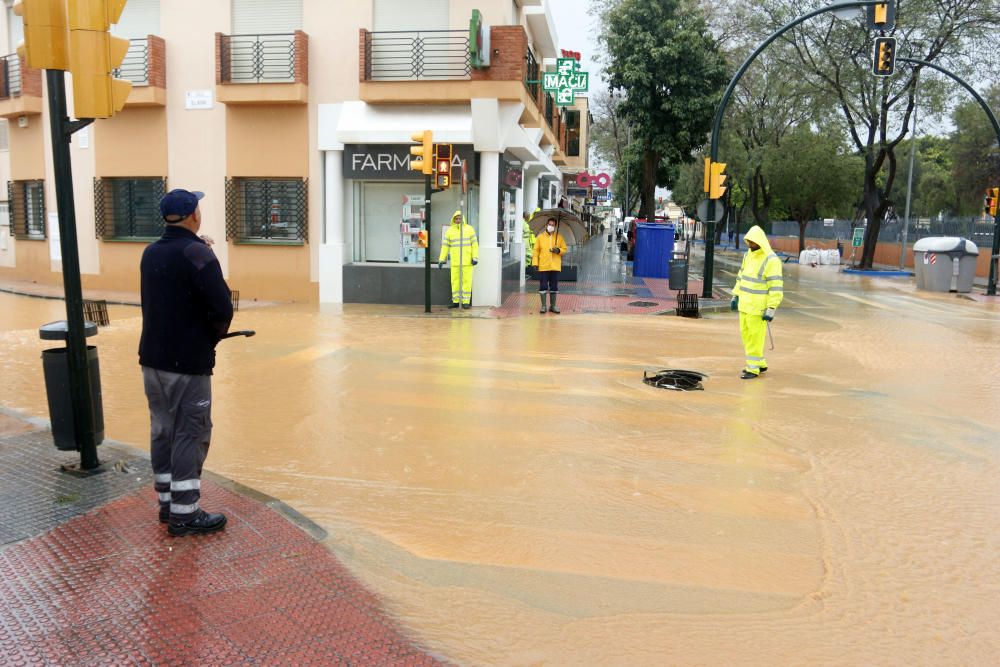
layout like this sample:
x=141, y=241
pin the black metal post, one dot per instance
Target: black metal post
x=76, y=342
x=991, y=286
x=428, y=191
x=717, y=124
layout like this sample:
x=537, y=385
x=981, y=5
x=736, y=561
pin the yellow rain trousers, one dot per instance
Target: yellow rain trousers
x=759, y=286
x=460, y=247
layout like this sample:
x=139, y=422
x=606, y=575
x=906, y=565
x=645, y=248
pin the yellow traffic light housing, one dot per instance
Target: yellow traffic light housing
x=708, y=174
x=882, y=16
x=991, y=204
x=884, y=62
x=424, y=153
x=442, y=166
x=45, y=35
x=717, y=179
x=94, y=54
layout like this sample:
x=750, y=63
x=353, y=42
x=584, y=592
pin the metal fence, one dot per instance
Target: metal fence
x=11, y=73
x=975, y=229
x=135, y=65
x=414, y=55
x=258, y=58
x=267, y=210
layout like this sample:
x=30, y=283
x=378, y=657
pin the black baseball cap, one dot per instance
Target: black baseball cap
x=179, y=204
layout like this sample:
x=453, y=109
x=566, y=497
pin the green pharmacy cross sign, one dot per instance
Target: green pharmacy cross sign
x=566, y=81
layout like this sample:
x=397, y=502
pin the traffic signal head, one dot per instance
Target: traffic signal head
x=708, y=174
x=93, y=54
x=717, y=180
x=45, y=37
x=991, y=204
x=424, y=153
x=442, y=166
x=882, y=16
x=884, y=63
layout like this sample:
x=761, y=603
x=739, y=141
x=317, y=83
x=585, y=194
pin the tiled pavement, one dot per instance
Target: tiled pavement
x=109, y=586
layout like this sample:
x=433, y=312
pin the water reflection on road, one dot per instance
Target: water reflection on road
x=518, y=496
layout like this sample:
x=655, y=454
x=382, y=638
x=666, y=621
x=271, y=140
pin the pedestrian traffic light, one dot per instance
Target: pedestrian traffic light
x=442, y=166
x=425, y=153
x=45, y=36
x=882, y=16
x=716, y=181
x=93, y=55
x=884, y=62
x=991, y=203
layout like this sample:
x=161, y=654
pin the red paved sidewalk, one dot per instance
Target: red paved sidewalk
x=111, y=587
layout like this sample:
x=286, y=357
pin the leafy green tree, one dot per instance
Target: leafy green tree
x=666, y=68
x=812, y=175
x=610, y=138
x=974, y=152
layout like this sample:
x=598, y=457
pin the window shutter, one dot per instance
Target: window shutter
x=262, y=17
x=401, y=15
x=140, y=18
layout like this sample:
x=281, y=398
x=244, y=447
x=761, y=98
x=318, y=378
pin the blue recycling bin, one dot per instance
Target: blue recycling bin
x=654, y=247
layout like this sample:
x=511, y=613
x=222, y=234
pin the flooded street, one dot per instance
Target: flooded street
x=516, y=495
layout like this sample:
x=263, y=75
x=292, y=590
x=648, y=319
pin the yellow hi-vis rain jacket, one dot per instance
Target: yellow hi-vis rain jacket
x=759, y=283
x=529, y=241
x=543, y=257
x=460, y=247
x=759, y=286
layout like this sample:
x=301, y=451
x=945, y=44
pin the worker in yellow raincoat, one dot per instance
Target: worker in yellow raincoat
x=547, y=256
x=757, y=294
x=461, y=248
x=529, y=238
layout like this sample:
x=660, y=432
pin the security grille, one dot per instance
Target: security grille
x=258, y=58
x=27, y=209
x=10, y=76
x=128, y=208
x=267, y=210
x=412, y=55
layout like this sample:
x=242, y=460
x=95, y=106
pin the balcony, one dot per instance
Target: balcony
x=145, y=65
x=20, y=88
x=262, y=69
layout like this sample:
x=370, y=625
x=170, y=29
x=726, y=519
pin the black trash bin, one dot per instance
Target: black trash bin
x=678, y=274
x=55, y=367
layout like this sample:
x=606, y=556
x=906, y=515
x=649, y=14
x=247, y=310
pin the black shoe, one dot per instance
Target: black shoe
x=764, y=369
x=454, y=305
x=165, y=514
x=466, y=305
x=747, y=375
x=202, y=522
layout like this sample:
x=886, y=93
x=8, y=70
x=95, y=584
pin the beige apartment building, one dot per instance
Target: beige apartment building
x=294, y=117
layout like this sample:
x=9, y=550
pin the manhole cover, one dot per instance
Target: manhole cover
x=678, y=380
x=643, y=304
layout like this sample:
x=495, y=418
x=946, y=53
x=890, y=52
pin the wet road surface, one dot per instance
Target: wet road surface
x=518, y=496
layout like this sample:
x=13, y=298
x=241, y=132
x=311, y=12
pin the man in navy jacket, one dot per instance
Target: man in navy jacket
x=186, y=310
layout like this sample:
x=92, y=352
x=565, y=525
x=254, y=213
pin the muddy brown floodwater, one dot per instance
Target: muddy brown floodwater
x=517, y=496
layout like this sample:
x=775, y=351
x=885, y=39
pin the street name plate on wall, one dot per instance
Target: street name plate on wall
x=391, y=162
x=198, y=99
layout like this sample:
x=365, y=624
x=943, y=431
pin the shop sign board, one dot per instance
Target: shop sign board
x=601, y=193
x=576, y=192
x=391, y=162
x=566, y=81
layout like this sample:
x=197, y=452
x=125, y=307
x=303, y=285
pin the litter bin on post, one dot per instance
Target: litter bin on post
x=935, y=259
x=654, y=246
x=55, y=367
x=679, y=274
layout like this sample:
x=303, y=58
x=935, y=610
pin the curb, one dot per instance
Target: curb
x=60, y=297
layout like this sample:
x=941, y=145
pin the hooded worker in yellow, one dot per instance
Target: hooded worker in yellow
x=461, y=248
x=757, y=294
x=528, y=236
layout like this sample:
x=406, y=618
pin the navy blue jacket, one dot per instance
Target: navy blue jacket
x=186, y=304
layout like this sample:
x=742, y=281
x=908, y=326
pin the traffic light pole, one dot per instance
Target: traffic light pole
x=991, y=286
x=717, y=124
x=428, y=191
x=76, y=343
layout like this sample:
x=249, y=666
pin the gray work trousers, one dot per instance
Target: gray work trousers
x=180, y=414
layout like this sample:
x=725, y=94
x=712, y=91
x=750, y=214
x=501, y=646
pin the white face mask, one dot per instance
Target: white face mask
x=551, y=228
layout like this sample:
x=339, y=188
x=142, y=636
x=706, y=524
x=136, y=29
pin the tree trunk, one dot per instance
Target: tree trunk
x=802, y=234
x=650, y=161
x=761, y=206
x=871, y=207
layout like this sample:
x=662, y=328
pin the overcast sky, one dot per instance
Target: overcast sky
x=577, y=31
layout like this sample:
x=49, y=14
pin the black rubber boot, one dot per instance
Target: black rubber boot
x=543, y=309
x=202, y=522
x=552, y=302
x=747, y=375
x=454, y=304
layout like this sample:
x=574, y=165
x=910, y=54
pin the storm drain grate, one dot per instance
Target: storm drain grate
x=678, y=380
x=643, y=304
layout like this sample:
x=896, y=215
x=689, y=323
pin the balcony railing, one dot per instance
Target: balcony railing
x=10, y=71
x=533, y=75
x=407, y=55
x=268, y=58
x=135, y=65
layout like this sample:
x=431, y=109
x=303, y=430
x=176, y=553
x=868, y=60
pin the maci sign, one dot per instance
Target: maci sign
x=566, y=81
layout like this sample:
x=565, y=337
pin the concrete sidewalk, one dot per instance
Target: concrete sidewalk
x=89, y=576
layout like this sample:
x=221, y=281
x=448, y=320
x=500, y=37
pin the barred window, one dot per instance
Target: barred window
x=128, y=208
x=267, y=210
x=27, y=209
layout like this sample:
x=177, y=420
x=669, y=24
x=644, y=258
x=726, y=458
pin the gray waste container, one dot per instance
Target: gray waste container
x=55, y=368
x=678, y=274
x=945, y=263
